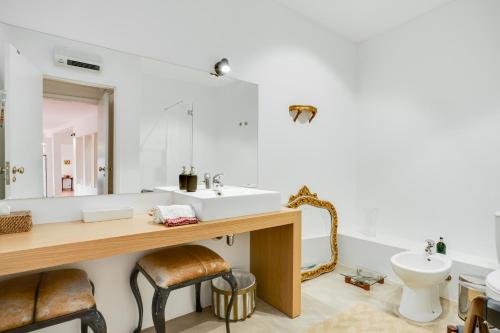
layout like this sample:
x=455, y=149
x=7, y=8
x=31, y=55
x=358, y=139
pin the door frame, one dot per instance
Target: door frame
x=112, y=172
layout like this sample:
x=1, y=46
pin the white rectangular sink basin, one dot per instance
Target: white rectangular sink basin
x=234, y=202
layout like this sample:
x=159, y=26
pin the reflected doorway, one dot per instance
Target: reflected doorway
x=77, y=139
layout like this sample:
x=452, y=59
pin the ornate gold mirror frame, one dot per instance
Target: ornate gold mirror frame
x=306, y=197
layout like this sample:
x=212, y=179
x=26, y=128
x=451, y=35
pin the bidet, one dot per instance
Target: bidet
x=421, y=274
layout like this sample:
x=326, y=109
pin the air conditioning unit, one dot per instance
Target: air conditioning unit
x=77, y=59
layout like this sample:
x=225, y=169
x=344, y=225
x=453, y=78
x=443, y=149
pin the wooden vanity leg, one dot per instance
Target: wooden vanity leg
x=275, y=256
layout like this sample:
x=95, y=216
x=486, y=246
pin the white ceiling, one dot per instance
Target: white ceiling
x=358, y=20
x=58, y=113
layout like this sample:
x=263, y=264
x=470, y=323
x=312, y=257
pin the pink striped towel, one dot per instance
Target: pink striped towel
x=180, y=221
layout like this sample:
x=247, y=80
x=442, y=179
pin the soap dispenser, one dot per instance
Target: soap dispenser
x=183, y=179
x=441, y=246
x=192, y=181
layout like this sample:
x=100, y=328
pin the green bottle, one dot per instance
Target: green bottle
x=441, y=246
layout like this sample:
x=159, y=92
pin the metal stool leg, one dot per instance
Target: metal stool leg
x=84, y=327
x=229, y=277
x=137, y=295
x=95, y=321
x=158, y=309
x=198, y=297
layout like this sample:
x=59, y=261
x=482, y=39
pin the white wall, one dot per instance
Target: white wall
x=291, y=60
x=237, y=145
x=428, y=127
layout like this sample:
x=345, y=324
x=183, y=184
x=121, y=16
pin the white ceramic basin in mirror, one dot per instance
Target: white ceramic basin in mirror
x=234, y=201
x=421, y=275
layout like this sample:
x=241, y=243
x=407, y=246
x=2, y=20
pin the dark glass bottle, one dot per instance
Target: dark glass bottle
x=441, y=246
x=183, y=179
x=192, y=181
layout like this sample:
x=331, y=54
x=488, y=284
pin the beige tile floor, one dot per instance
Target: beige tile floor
x=322, y=298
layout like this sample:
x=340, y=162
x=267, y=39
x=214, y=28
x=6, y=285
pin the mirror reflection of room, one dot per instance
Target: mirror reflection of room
x=75, y=117
x=153, y=119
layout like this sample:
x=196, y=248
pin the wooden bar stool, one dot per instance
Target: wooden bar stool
x=40, y=300
x=476, y=316
x=175, y=268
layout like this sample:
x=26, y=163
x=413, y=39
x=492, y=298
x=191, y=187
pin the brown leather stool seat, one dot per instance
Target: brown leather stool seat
x=175, y=268
x=63, y=292
x=45, y=299
x=180, y=264
x=17, y=301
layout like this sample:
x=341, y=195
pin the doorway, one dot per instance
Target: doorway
x=77, y=138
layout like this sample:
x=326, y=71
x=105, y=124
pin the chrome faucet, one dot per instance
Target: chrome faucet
x=207, y=180
x=217, y=183
x=430, y=245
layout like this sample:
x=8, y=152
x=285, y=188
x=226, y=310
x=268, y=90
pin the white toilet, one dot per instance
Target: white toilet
x=493, y=279
x=421, y=275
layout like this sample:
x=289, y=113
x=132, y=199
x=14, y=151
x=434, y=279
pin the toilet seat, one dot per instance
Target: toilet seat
x=493, y=285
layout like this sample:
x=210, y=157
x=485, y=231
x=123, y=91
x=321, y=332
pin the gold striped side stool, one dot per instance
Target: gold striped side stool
x=244, y=299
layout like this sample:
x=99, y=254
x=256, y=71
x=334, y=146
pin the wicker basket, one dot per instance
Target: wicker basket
x=16, y=222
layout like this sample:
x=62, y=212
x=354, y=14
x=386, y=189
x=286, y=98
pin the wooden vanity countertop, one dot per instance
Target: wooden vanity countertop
x=53, y=244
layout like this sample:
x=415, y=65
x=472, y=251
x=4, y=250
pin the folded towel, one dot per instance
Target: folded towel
x=174, y=215
x=181, y=221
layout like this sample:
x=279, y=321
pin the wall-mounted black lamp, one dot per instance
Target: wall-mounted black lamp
x=221, y=68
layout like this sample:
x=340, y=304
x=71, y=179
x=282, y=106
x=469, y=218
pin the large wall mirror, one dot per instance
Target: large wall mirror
x=79, y=119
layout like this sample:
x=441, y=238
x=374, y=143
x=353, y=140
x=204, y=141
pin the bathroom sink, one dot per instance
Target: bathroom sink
x=234, y=201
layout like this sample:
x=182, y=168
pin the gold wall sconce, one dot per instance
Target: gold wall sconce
x=67, y=162
x=298, y=109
